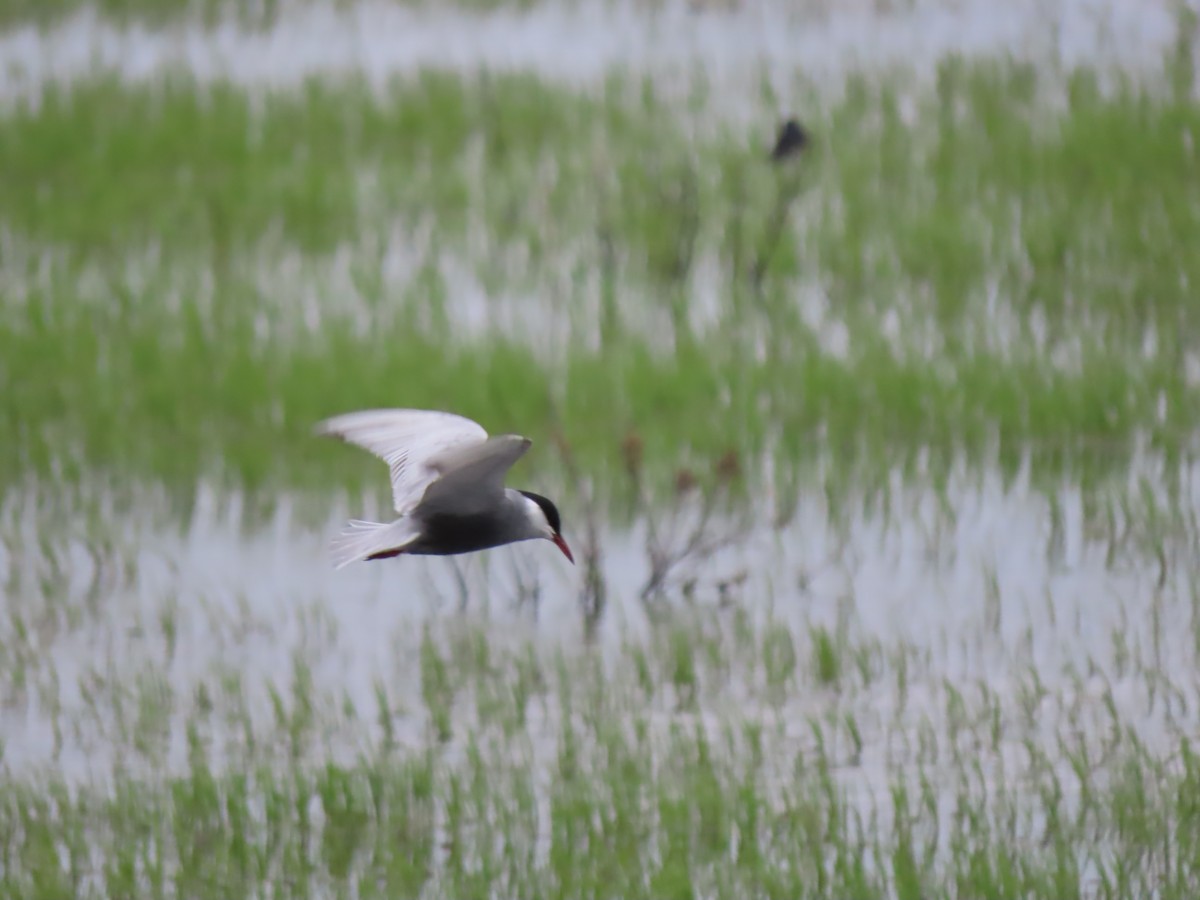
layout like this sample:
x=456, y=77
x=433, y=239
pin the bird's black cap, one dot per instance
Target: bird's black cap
x=792, y=139
x=548, y=508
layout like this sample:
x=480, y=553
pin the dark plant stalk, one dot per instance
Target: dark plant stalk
x=593, y=598
x=775, y=229
x=699, y=543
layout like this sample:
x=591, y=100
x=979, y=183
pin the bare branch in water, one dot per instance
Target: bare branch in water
x=701, y=540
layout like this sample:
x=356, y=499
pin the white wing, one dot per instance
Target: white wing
x=417, y=445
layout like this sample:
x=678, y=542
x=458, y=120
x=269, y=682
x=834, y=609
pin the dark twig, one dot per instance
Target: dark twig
x=460, y=578
x=594, y=596
x=685, y=200
x=700, y=541
x=528, y=586
x=689, y=225
x=774, y=234
x=790, y=143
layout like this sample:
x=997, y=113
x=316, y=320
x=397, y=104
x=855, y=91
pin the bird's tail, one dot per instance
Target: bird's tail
x=363, y=540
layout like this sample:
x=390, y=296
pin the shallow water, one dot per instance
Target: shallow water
x=980, y=584
x=734, y=49
x=119, y=616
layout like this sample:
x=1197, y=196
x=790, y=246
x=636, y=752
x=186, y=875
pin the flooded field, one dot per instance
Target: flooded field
x=878, y=461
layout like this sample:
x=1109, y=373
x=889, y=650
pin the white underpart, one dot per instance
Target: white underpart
x=361, y=540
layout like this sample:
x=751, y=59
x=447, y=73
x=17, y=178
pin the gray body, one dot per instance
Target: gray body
x=449, y=533
x=447, y=486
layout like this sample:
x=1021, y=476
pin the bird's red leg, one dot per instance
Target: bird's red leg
x=385, y=554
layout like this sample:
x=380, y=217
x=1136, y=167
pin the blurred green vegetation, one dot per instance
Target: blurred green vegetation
x=1008, y=275
x=555, y=775
x=994, y=268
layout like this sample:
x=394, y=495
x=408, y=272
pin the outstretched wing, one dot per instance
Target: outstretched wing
x=418, y=445
x=473, y=477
